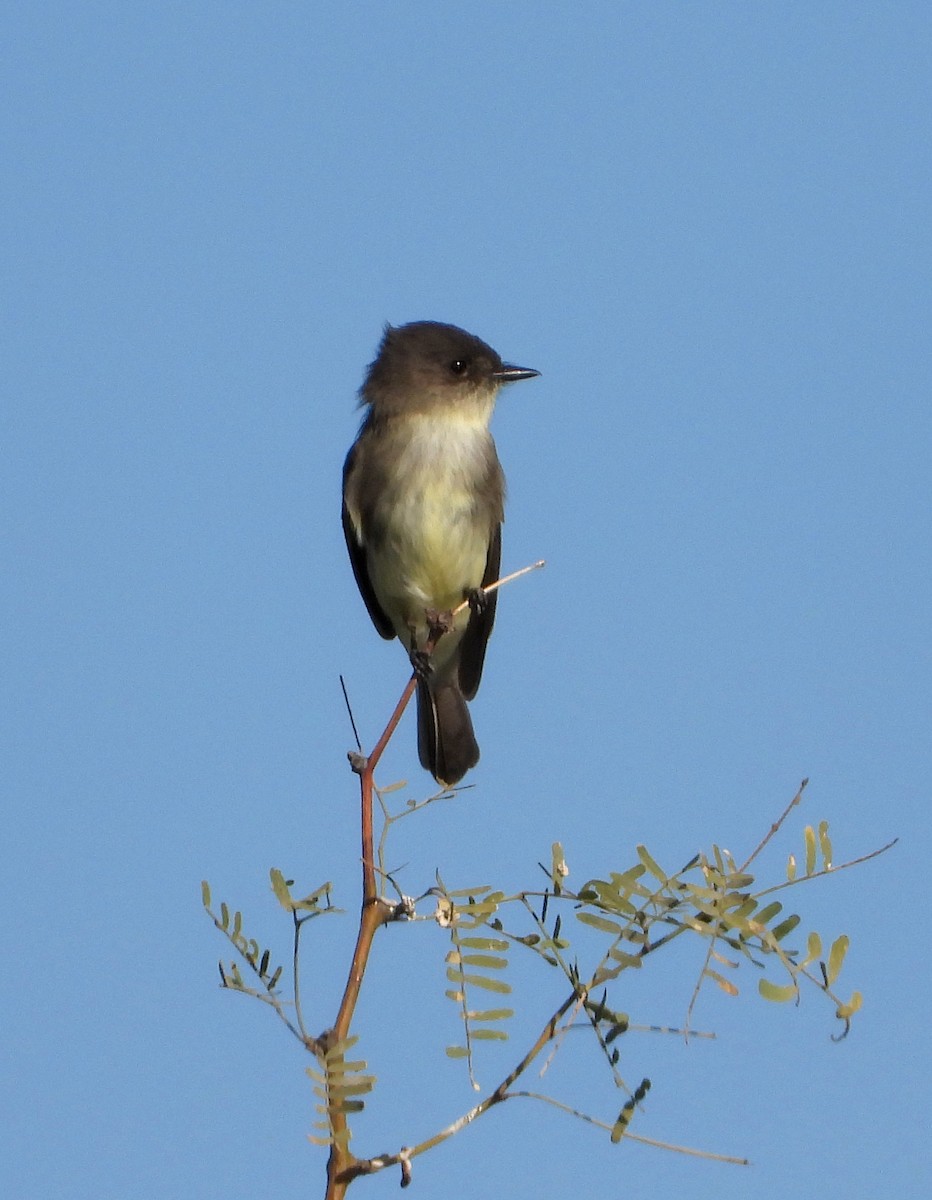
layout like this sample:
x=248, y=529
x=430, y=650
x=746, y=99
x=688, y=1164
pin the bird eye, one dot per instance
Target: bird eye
x=459, y=366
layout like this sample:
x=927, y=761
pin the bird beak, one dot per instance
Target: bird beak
x=511, y=374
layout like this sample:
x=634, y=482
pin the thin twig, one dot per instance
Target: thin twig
x=493, y=587
x=501, y=1093
x=852, y=862
x=775, y=827
x=713, y=938
x=349, y=712
x=296, y=976
x=635, y=1137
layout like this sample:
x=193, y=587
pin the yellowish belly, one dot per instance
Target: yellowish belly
x=436, y=542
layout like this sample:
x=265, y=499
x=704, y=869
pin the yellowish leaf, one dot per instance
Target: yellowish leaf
x=836, y=956
x=809, y=834
x=777, y=992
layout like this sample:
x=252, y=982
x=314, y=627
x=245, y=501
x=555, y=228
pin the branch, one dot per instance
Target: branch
x=342, y=1165
x=371, y=1165
x=776, y=826
x=634, y=1137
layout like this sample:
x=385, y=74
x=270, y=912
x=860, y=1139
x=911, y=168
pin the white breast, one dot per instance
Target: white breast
x=437, y=544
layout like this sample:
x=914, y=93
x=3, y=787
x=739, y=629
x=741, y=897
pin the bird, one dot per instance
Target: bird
x=423, y=505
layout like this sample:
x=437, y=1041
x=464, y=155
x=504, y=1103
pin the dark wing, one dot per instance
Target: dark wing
x=357, y=556
x=472, y=647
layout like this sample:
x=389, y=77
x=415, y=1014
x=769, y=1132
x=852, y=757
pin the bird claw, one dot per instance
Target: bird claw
x=478, y=601
x=420, y=664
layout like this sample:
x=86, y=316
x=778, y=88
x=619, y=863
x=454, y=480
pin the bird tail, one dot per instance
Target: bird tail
x=446, y=744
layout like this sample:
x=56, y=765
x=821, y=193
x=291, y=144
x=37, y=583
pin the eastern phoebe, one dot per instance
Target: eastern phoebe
x=423, y=504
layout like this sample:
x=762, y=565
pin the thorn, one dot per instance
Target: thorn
x=358, y=762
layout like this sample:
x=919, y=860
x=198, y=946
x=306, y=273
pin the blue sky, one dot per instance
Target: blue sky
x=707, y=226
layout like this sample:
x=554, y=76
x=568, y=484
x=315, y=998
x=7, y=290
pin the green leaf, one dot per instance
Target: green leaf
x=483, y=943
x=813, y=949
x=836, y=956
x=339, y=1049
x=600, y=923
x=777, y=992
x=614, y=895
x=736, y=915
x=457, y=1052
x=791, y=868
x=725, y=984
x=309, y=902
x=481, y=908
x=490, y=961
x=280, y=888
x=360, y=1088
x=844, y=1011
x=825, y=845
x=467, y=892
x=344, y=1067
x=809, y=834
x=205, y=893
x=605, y=974
x=623, y=906
x=626, y=960
x=489, y=1035
x=703, y=895
x=490, y=1014
x=617, y=1030
x=627, y=1112
x=489, y=985
x=628, y=880
x=624, y=1120
x=651, y=866
x=558, y=868
x=768, y=912
x=786, y=926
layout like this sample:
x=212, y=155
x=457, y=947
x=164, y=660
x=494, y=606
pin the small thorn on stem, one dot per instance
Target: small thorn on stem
x=358, y=762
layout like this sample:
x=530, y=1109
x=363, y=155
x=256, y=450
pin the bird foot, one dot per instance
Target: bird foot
x=420, y=663
x=478, y=600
